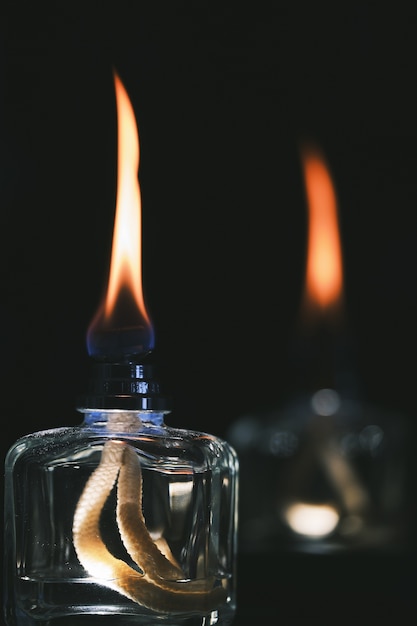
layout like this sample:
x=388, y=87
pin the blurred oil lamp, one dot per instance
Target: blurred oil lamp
x=122, y=518
x=328, y=472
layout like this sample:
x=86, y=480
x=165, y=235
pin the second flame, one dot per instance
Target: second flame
x=324, y=272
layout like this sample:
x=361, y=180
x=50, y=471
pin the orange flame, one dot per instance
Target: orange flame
x=324, y=273
x=126, y=256
x=121, y=327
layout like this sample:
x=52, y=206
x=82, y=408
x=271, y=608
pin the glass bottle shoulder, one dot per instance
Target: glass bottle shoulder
x=156, y=443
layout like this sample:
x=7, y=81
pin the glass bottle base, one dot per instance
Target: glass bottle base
x=221, y=617
x=58, y=604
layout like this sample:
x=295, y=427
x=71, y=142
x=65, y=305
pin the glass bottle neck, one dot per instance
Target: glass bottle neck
x=119, y=420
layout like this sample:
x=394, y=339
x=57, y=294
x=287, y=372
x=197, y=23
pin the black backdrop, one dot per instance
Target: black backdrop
x=223, y=94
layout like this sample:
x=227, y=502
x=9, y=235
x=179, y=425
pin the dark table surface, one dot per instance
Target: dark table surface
x=293, y=589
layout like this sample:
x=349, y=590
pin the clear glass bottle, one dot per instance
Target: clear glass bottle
x=123, y=519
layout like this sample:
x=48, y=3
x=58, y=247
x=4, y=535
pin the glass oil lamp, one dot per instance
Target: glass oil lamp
x=329, y=471
x=121, y=520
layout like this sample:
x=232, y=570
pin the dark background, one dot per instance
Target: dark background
x=223, y=95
